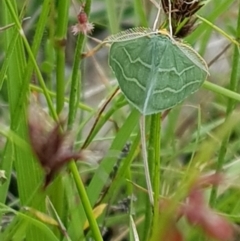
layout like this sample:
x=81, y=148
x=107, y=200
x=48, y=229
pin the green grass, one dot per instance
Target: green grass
x=42, y=65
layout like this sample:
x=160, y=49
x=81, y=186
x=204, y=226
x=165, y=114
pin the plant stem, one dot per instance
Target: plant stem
x=154, y=158
x=73, y=105
x=85, y=202
x=222, y=91
x=62, y=20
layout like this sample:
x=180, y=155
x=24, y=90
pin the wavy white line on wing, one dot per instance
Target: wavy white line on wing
x=160, y=70
x=133, y=61
x=175, y=91
x=127, y=78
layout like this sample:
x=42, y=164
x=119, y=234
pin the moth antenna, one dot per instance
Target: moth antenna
x=145, y=159
x=193, y=1
x=170, y=17
x=158, y=15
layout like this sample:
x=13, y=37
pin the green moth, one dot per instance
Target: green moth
x=155, y=72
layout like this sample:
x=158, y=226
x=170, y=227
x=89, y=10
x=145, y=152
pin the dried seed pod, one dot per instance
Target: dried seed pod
x=182, y=15
x=49, y=143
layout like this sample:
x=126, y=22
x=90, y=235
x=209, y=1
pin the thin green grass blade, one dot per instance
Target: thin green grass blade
x=220, y=8
x=122, y=172
x=101, y=175
x=14, y=82
x=75, y=226
x=7, y=58
x=112, y=16
x=28, y=172
x=18, y=104
x=21, y=224
x=234, y=86
x=140, y=13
